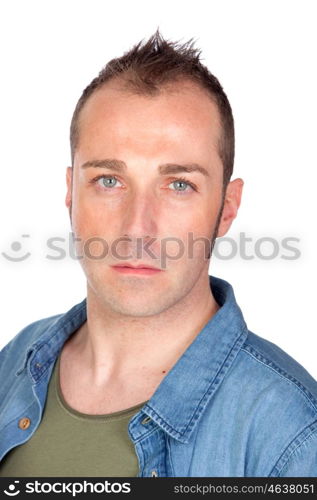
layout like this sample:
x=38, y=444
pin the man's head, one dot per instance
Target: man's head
x=146, y=69
x=154, y=121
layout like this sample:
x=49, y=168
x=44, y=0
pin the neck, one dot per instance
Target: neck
x=115, y=346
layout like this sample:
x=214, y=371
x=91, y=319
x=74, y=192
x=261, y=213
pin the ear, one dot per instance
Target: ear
x=68, y=200
x=231, y=205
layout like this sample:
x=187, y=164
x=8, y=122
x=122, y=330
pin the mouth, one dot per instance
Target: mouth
x=142, y=269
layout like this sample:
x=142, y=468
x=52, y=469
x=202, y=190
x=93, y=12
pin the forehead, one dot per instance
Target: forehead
x=179, y=113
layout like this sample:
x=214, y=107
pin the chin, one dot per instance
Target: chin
x=128, y=302
x=137, y=309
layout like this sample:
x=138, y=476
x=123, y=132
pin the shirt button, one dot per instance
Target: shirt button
x=146, y=420
x=24, y=423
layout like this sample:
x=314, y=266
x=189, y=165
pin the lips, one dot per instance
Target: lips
x=136, y=266
x=137, y=269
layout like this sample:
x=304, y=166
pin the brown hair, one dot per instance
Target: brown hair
x=149, y=65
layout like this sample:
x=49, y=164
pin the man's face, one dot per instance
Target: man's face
x=115, y=213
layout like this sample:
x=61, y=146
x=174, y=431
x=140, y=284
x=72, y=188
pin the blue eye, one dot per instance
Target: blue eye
x=105, y=181
x=183, y=184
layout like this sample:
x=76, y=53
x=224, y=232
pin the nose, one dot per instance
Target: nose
x=141, y=216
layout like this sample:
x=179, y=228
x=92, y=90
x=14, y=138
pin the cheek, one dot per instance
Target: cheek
x=191, y=234
x=198, y=218
x=89, y=215
x=94, y=235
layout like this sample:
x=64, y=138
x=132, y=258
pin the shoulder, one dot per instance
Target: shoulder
x=52, y=330
x=271, y=363
x=18, y=347
x=280, y=398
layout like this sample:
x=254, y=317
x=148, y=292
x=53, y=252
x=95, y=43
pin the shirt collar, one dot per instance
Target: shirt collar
x=179, y=401
x=43, y=352
x=184, y=393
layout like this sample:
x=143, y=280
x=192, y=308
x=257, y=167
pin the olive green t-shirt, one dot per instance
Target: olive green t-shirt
x=74, y=444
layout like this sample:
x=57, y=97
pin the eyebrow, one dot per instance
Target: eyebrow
x=167, y=168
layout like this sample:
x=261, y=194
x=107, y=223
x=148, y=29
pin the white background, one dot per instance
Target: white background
x=263, y=52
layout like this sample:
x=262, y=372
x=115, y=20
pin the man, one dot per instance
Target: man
x=155, y=373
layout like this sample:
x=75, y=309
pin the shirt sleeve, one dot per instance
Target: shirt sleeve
x=302, y=460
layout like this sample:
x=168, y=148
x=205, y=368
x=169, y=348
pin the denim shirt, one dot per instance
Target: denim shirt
x=234, y=404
